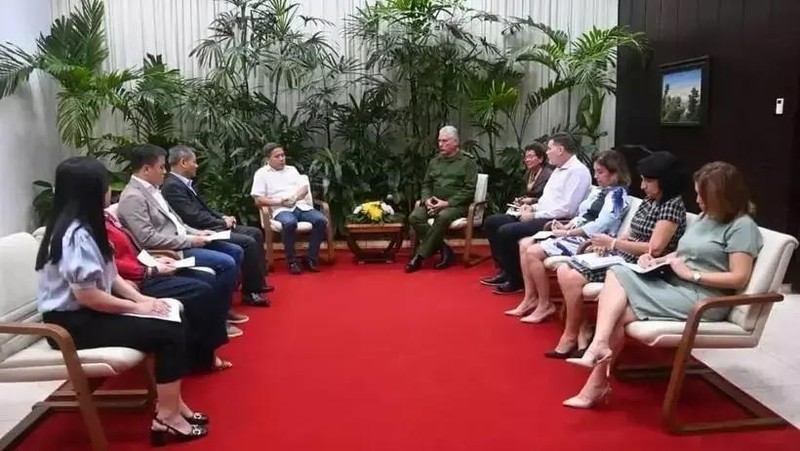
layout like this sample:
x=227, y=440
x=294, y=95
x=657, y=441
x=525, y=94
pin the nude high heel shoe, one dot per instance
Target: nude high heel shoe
x=584, y=402
x=524, y=308
x=590, y=360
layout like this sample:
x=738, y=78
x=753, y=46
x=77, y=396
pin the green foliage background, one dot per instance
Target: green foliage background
x=362, y=130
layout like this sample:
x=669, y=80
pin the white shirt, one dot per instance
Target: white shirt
x=567, y=187
x=155, y=192
x=274, y=184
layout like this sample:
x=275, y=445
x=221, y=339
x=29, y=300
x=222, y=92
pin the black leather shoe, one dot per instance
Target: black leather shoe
x=562, y=355
x=448, y=257
x=294, y=268
x=255, y=299
x=507, y=288
x=493, y=281
x=268, y=288
x=311, y=266
x=415, y=264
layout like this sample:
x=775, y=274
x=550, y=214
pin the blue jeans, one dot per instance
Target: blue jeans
x=226, y=267
x=289, y=220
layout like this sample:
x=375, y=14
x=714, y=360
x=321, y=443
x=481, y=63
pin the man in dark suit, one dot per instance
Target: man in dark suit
x=193, y=210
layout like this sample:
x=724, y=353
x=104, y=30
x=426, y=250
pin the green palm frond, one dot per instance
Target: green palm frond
x=77, y=114
x=78, y=39
x=16, y=66
x=538, y=97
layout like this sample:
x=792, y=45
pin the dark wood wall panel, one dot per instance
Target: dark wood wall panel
x=754, y=47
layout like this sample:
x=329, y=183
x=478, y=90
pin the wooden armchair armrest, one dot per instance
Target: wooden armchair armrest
x=264, y=216
x=473, y=208
x=53, y=331
x=164, y=253
x=324, y=207
x=693, y=321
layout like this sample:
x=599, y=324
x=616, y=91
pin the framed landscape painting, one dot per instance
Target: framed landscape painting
x=684, y=93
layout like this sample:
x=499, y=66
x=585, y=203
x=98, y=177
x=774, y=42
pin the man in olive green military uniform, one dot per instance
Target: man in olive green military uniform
x=447, y=191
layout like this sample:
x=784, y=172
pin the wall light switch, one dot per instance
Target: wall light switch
x=779, y=106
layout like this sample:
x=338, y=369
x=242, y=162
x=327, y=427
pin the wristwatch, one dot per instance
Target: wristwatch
x=696, y=276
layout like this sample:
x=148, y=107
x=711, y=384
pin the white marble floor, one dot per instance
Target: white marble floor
x=770, y=372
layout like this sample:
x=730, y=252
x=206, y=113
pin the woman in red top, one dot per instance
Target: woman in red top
x=205, y=311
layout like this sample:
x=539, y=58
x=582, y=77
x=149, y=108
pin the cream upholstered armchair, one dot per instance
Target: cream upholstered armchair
x=25, y=356
x=466, y=226
x=272, y=228
x=742, y=329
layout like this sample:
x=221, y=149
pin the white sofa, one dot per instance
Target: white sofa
x=25, y=355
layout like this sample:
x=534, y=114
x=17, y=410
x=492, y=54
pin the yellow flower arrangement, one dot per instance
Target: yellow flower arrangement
x=373, y=211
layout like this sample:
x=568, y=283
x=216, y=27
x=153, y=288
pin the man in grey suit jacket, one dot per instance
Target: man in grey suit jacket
x=146, y=214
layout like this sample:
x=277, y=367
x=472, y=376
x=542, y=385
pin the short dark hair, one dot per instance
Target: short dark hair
x=668, y=170
x=615, y=163
x=269, y=147
x=723, y=190
x=538, y=148
x=145, y=155
x=567, y=141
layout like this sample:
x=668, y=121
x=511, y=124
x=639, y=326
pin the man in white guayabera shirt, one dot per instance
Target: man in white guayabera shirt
x=568, y=185
x=282, y=188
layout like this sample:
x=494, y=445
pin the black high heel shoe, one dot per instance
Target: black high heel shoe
x=160, y=437
x=562, y=355
x=197, y=419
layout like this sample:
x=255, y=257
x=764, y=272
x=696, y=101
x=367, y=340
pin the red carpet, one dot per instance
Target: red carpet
x=366, y=358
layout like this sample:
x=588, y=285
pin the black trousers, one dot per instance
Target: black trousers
x=204, y=311
x=254, y=267
x=165, y=339
x=504, y=233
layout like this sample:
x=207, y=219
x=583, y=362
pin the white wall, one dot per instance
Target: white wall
x=30, y=147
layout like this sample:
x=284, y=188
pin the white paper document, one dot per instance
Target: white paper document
x=148, y=260
x=226, y=235
x=174, y=311
x=185, y=263
x=543, y=235
x=594, y=261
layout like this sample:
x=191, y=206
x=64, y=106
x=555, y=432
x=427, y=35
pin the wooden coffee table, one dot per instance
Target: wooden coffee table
x=393, y=232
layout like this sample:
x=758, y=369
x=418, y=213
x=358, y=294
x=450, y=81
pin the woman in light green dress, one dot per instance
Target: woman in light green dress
x=714, y=257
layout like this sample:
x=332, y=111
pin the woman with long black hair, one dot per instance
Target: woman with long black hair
x=80, y=290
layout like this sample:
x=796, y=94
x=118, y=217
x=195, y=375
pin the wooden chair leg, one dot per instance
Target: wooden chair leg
x=269, y=237
x=763, y=418
x=467, y=245
x=86, y=404
x=331, y=244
